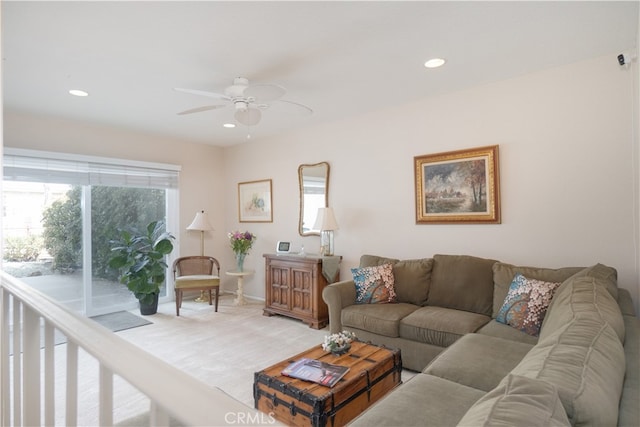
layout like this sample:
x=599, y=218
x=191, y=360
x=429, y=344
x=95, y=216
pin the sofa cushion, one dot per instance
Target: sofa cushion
x=582, y=296
x=518, y=401
x=373, y=260
x=462, y=282
x=500, y=330
x=472, y=360
x=412, y=280
x=381, y=319
x=585, y=361
x=607, y=276
x=503, y=275
x=440, y=326
x=374, y=284
x=422, y=401
x=526, y=304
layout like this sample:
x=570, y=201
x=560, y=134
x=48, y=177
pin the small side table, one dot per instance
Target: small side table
x=240, y=275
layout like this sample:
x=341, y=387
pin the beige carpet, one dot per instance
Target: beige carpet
x=223, y=349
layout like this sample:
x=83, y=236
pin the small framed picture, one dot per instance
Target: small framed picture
x=458, y=187
x=254, y=201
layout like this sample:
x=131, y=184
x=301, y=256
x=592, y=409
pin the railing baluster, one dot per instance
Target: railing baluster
x=49, y=375
x=71, y=414
x=5, y=391
x=17, y=365
x=31, y=372
x=106, y=396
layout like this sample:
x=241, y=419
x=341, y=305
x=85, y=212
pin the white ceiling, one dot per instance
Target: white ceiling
x=339, y=58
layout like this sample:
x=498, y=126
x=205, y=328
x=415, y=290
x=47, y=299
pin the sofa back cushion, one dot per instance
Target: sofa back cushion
x=462, y=282
x=585, y=361
x=412, y=278
x=518, y=401
x=583, y=296
x=503, y=275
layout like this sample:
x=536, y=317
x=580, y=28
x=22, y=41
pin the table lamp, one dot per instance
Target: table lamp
x=326, y=223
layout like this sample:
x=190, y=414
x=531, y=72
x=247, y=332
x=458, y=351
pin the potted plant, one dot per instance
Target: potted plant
x=139, y=258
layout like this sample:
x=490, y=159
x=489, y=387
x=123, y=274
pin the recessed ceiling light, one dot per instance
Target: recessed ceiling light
x=229, y=125
x=78, y=92
x=434, y=63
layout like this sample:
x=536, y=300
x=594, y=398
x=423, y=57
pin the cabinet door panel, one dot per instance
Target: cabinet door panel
x=302, y=291
x=280, y=287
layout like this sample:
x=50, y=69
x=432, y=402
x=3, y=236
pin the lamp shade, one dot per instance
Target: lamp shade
x=326, y=220
x=200, y=222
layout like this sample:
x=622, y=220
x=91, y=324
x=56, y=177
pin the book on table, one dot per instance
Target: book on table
x=323, y=373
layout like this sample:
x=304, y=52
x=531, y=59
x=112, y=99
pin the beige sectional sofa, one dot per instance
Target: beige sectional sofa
x=582, y=369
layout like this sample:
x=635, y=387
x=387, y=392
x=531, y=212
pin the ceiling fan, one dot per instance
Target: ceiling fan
x=248, y=100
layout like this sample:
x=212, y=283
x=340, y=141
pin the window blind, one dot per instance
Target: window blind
x=36, y=166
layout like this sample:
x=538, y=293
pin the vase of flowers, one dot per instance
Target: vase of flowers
x=339, y=343
x=241, y=242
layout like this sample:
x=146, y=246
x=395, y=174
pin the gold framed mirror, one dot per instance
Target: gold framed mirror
x=314, y=194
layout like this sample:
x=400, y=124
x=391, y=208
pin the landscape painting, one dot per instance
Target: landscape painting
x=458, y=186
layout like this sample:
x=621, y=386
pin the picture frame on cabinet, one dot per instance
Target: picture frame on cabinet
x=254, y=201
x=458, y=187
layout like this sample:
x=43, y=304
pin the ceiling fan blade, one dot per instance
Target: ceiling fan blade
x=264, y=92
x=200, y=109
x=203, y=93
x=302, y=107
x=248, y=116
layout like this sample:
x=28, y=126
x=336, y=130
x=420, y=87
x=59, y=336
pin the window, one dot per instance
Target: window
x=60, y=213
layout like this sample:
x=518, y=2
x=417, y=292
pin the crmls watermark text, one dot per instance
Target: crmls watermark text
x=249, y=418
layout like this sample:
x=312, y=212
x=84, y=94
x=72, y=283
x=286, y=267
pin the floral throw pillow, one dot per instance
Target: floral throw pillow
x=374, y=284
x=526, y=304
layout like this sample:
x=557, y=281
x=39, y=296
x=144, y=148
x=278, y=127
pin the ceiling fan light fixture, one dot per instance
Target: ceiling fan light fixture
x=248, y=116
x=434, y=63
x=78, y=92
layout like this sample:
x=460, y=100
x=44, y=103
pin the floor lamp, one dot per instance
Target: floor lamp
x=201, y=223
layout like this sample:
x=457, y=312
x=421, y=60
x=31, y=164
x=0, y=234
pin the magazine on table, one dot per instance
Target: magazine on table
x=319, y=372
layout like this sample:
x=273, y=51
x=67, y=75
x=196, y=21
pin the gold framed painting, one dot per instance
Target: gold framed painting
x=458, y=187
x=254, y=201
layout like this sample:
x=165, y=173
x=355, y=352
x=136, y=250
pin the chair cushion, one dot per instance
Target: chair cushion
x=518, y=401
x=440, y=326
x=381, y=319
x=462, y=282
x=196, y=281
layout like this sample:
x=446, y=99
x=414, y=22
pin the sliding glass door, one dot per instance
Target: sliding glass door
x=57, y=236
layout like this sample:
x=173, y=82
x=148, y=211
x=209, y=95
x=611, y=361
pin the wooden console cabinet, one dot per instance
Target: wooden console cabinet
x=294, y=287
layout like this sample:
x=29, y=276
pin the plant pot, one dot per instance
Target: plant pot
x=150, y=308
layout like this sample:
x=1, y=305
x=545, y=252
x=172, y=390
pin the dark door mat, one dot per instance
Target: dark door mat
x=120, y=320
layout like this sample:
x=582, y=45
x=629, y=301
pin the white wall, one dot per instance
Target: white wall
x=567, y=174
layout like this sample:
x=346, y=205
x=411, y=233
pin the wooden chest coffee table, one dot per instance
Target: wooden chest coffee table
x=373, y=371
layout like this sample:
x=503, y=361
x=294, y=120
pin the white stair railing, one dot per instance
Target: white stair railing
x=27, y=374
